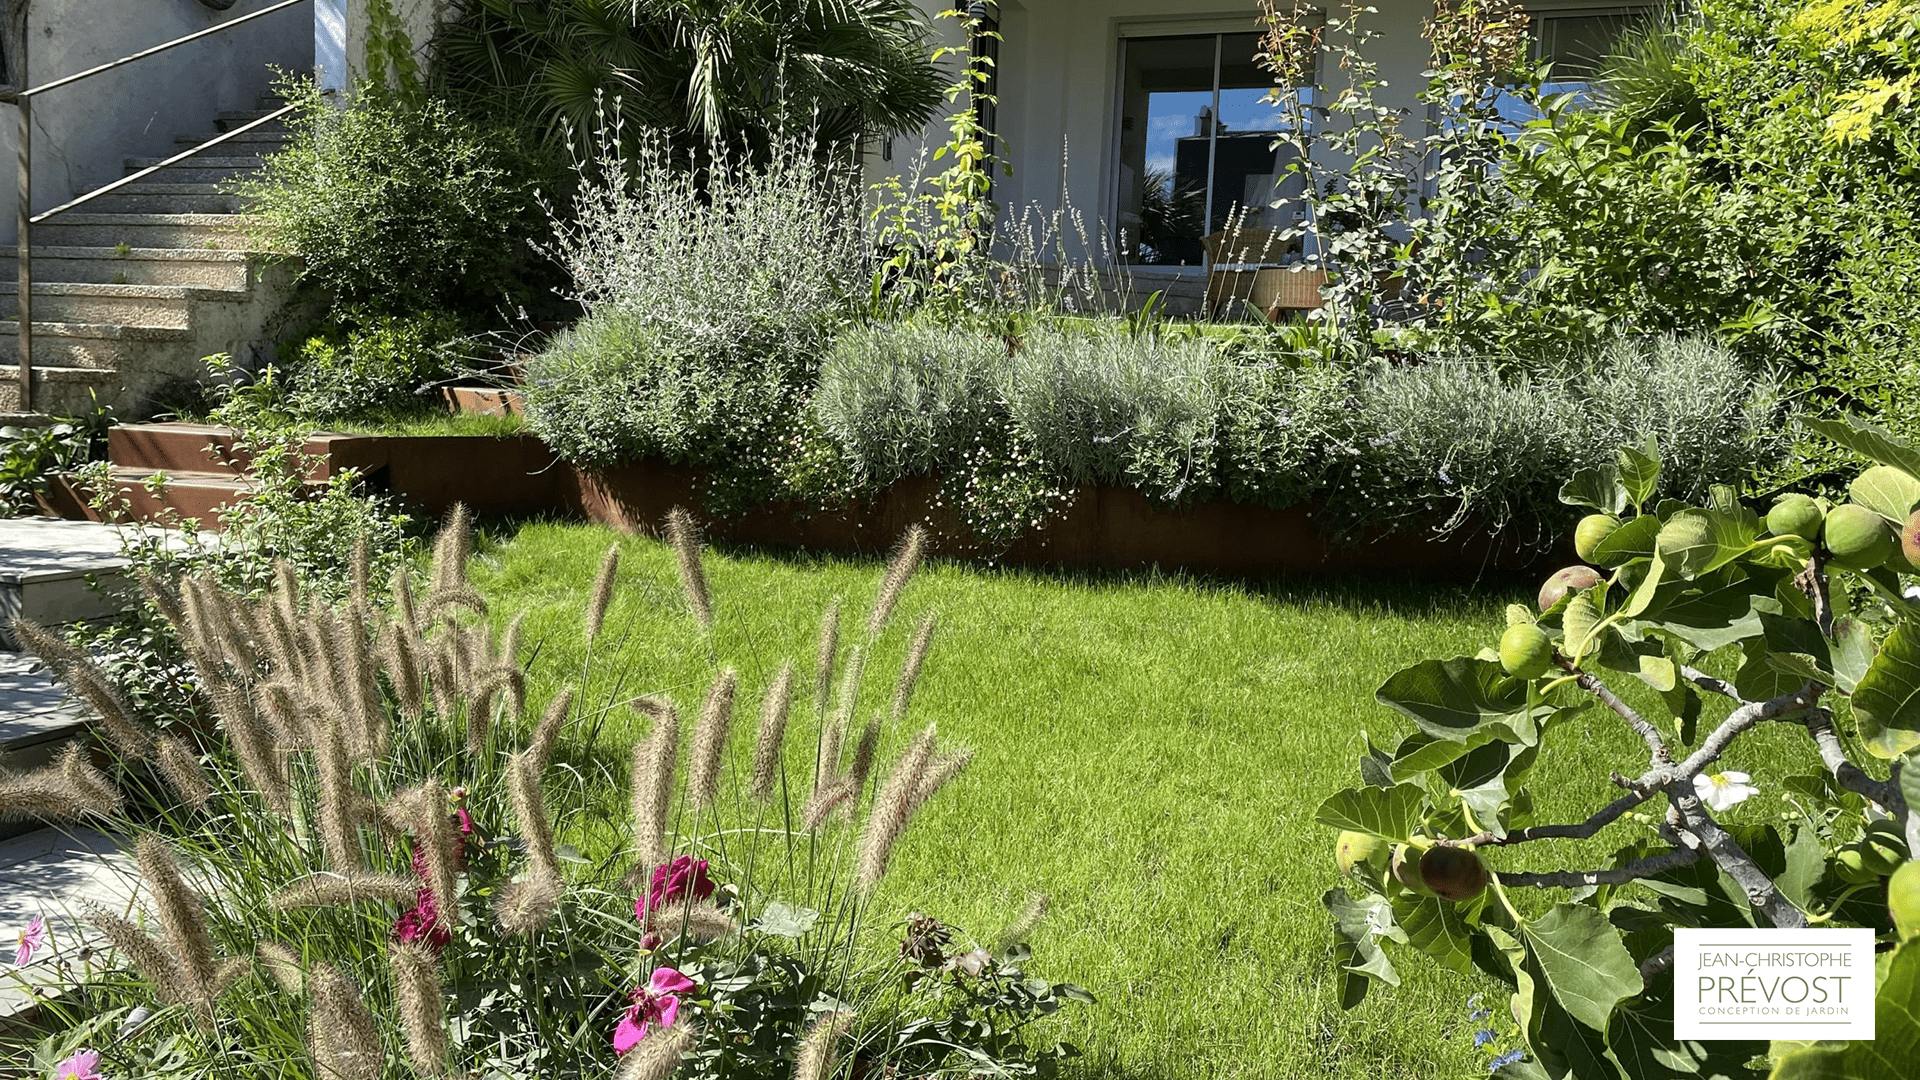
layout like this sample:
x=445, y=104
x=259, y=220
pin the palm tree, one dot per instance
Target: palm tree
x=712, y=72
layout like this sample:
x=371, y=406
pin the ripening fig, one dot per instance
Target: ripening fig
x=1592, y=531
x=1404, y=867
x=1453, y=874
x=1354, y=849
x=1571, y=579
x=1850, y=865
x=1857, y=538
x=1796, y=515
x=1910, y=540
x=1526, y=652
x=1903, y=899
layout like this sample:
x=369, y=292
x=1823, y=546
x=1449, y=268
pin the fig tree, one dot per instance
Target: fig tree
x=1796, y=515
x=1857, y=538
x=1526, y=651
x=1903, y=899
x=1850, y=865
x=1356, y=848
x=1571, y=579
x=1591, y=532
x=1453, y=874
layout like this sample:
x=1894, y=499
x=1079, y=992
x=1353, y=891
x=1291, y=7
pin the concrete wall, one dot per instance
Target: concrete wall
x=83, y=132
x=1059, y=91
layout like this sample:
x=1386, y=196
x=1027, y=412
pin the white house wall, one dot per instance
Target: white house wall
x=1059, y=84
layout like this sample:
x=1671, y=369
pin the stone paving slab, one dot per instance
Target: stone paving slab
x=48, y=874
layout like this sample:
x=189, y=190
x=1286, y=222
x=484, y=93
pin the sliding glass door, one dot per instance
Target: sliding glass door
x=1196, y=147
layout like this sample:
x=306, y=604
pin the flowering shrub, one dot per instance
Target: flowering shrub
x=1725, y=621
x=362, y=866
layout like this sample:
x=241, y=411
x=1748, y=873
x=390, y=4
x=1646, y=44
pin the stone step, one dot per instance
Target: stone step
x=87, y=345
x=56, y=572
x=49, y=874
x=135, y=266
x=147, y=197
x=57, y=391
x=227, y=121
x=203, y=169
x=132, y=305
x=259, y=138
x=218, y=232
x=211, y=448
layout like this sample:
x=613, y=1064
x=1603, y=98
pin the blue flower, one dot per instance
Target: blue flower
x=1474, y=1001
x=1504, y=1060
x=1482, y=1038
x=1478, y=1015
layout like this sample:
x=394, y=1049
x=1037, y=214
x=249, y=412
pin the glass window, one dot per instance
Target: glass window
x=1197, y=154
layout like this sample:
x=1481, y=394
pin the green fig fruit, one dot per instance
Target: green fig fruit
x=1857, y=538
x=1903, y=899
x=1882, y=853
x=1796, y=515
x=1404, y=868
x=1453, y=874
x=1526, y=651
x=1591, y=532
x=1850, y=863
x=1355, y=849
x=1910, y=540
x=1571, y=579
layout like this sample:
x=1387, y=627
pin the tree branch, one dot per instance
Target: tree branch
x=1592, y=685
x=1813, y=582
x=1819, y=724
x=1656, y=964
x=1732, y=858
x=1601, y=818
x=1651, y=866
x=1711, y=684
x=1744, y=717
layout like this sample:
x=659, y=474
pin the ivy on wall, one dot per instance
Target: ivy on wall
x=390, y=52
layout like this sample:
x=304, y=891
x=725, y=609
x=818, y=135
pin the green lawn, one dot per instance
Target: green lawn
x=1150, y=754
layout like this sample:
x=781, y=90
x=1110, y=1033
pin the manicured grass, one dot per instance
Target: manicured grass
x=1150, y=755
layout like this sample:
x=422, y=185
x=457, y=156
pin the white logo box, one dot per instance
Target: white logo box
x=1772, y=984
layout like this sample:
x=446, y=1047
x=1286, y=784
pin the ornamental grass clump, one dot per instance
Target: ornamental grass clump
x=382, y=860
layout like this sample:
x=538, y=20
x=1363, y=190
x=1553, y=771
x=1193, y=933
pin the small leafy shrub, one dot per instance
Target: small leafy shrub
x=355, y=369
x=905, y=399
x=400, y=209
x=1701, y=623
x=30, y=457
x=708, y=301
x=373, y=863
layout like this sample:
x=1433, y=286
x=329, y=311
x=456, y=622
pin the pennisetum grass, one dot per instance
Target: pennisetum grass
x=353, y=827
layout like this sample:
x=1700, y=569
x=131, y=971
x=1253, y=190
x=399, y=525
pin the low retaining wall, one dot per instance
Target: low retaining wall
x=1105, y=527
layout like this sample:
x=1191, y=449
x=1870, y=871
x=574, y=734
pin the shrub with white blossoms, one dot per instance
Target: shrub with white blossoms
x=372, y=868
x=1692, y=626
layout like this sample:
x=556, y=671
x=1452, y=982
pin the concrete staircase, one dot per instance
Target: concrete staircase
x=135, y=288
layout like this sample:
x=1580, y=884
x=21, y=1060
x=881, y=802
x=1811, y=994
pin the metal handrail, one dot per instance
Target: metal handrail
x=23, y=101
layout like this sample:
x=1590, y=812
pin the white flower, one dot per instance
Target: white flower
x=1723, y=789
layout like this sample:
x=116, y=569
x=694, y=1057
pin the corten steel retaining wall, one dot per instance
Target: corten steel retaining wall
x=1106, y=527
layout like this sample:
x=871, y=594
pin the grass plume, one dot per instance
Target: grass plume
x=181, y=766
x=824, y=656
x=710, y=740
x=653, y=764
x=602, y=594
x=340, y=1031
x=658, y=1055
x=683, y=533
x=68, y=789
x=892, y=807
x=906, y=559
x=772, y=734
x=331, y=889
x=820, y=1048
x=415, y=972
x=910, y=668
x=547, y=733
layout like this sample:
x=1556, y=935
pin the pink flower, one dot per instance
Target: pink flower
x=31, y=939
x=423, y=923
x=84, y=1065
x=654, y=1005
x=672, y=882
